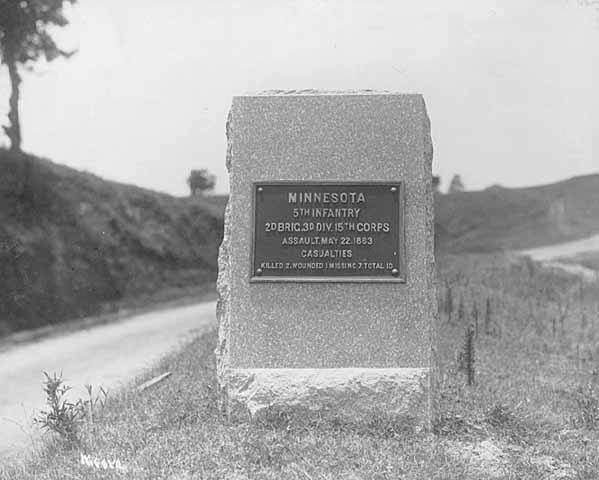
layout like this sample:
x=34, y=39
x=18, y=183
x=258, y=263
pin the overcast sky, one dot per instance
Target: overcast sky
x=510, y=85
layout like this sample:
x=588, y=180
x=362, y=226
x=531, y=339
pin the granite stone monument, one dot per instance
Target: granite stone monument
x=326, y=271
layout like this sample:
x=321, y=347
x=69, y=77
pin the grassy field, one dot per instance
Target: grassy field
x=532, y=413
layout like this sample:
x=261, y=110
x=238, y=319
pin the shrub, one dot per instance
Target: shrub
x=62, y=416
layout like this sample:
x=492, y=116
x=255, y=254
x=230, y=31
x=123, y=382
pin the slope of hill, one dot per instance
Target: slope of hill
x=511, y=218
x=71, y=242
x=501, y=218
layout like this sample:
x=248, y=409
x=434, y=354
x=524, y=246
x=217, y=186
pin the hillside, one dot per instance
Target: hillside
x=501, y=218
x=72, y=243
x=511, y=218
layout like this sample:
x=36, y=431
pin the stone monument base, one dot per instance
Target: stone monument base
x=348, y=394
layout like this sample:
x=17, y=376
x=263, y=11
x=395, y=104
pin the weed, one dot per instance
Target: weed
x=62, y=416
x=469, y=354
x=92, y=403
x=466, y=355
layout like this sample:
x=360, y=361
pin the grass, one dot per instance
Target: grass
x=529, y=414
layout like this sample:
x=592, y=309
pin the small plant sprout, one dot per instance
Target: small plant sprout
x=91, y=402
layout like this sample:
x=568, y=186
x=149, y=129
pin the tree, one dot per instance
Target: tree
x=200, y=181
x=25, y=37
x=436, y=183
x=456, y=184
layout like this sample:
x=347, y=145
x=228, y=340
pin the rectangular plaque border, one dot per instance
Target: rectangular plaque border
x=401, y=278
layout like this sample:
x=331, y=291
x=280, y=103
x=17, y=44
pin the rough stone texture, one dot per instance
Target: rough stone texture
x=349, y=393
x=223, y=283
x=339, y=327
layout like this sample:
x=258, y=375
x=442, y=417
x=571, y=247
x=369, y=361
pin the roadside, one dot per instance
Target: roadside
x=109, y=355
x=527, y=416
x=115, y=312
x=566, y=249
x=580, y=257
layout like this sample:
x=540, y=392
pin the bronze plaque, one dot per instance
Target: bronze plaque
x=333, y=232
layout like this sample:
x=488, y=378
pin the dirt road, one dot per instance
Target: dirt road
x=568, y=249
x=107, y=355
x=550, y=254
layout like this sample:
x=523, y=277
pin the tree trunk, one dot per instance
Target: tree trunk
x=13, y=130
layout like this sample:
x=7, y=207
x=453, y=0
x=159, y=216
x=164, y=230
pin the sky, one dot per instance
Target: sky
x=510, y=85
